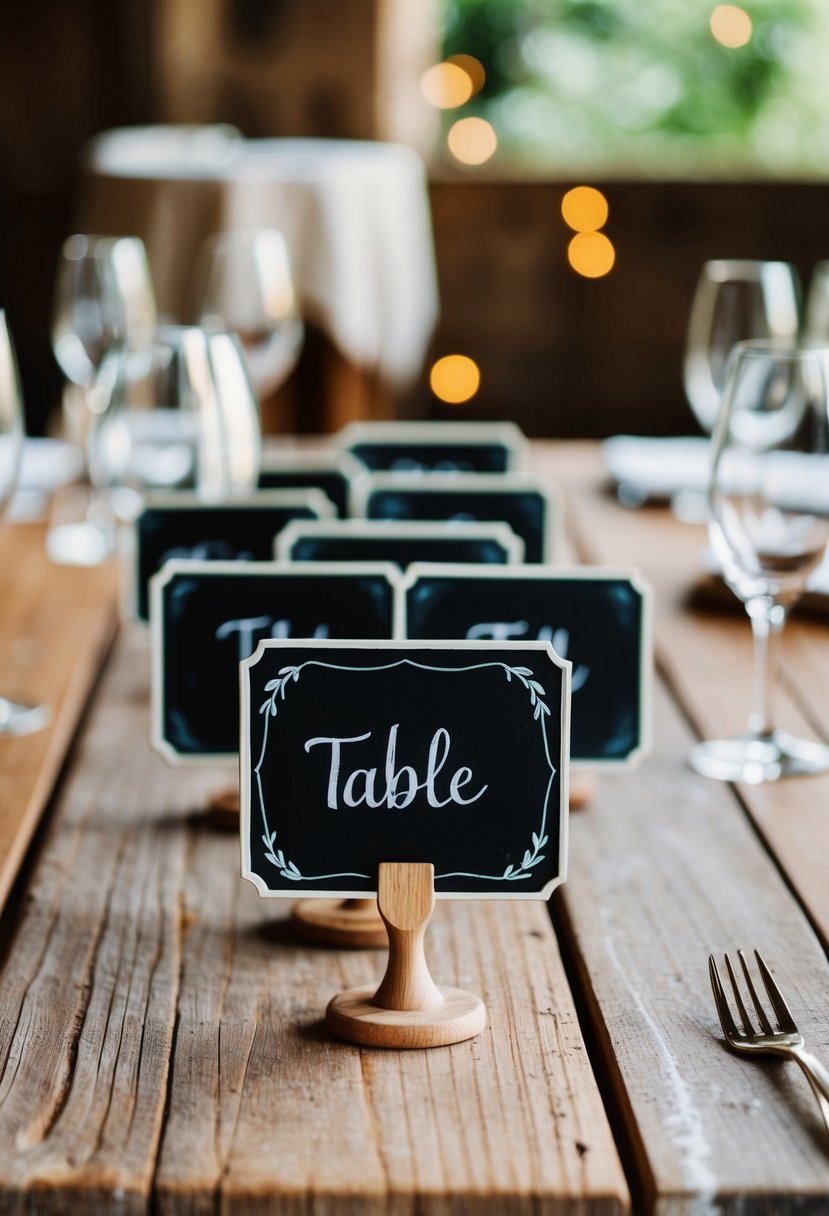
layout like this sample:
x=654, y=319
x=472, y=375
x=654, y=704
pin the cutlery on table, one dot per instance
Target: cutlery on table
x=785, y=1041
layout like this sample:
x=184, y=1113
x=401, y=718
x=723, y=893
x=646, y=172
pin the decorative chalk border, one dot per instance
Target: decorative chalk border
x=513, y=874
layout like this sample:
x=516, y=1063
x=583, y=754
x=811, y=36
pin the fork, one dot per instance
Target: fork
x=786, y=1041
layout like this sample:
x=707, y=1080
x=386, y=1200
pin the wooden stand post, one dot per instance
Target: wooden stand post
x=223, y=810
x=408, y=1009
x=350, y=923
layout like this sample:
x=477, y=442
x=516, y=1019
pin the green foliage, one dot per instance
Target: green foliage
x=643, y=84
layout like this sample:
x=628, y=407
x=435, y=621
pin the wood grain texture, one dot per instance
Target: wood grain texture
x=56, y=624
x=706, y=658
x=665, y=867
x=162, y=1045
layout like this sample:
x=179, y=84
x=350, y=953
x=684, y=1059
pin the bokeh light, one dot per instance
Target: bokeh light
x=446, y=85
x=591, y=254
x=472, y=140
x=730, y=25
x=473, y=68
x=584, y=208
x=455, y=379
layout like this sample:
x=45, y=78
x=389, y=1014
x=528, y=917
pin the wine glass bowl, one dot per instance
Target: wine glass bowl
x=16, y=718
x=245, y=286
x=769, y=528
x=178, y=413
x=735, y=300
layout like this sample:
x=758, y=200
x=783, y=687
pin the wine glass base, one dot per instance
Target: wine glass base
x=80, y=544
x=756, y=760
x=19, y=719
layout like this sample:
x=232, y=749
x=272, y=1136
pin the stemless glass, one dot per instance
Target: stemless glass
x=769, y=526
x=180, y=413
x=245, y=285
x=734, y=300
x=15, y=717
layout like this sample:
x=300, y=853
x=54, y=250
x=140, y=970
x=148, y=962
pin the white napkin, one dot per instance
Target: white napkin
x=646, y=468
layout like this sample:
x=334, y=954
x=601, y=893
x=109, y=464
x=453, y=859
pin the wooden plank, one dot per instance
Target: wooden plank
x=161, y=1036
x=706, y=657
x=664, y=869
x=89, y=985
x=56, y=624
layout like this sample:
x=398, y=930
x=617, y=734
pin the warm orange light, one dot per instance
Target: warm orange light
x=472, y=140
x=584, y=208
x=446, y=85
x=473, y=68
x=455, y=379
x=591, y=254
x=730, y=25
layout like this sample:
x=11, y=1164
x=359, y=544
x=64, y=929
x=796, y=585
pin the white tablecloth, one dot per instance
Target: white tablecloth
x=355, y=215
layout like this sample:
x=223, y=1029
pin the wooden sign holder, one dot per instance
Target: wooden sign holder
x=349, y=923
x=408, y=1009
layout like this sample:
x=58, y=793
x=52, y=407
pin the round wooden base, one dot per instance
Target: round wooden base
x=353, y=1017
x=352, y=923
x=223, y=811
x=584, y=787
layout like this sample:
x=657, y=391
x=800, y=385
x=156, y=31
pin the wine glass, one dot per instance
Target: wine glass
x=769, y=526
x=735, y=300
x=15, y=717
x=103, y=296
x=179, y=412
x=816, y=313
x=245, y=285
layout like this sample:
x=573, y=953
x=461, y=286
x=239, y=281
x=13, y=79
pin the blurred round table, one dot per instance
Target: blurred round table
x=355, y=215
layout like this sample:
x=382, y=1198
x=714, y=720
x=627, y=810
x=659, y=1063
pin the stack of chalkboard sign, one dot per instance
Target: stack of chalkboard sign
x=407, y=655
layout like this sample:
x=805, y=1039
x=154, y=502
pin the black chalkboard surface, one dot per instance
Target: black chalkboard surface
x=450, y=753
x=329, y=470
x=447, y=447
x=526, y=503
x=236, y=529
x=599, y=619
x=381, y=540
x=207, y=616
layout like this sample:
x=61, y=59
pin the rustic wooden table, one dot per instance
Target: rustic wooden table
x=161, y=1042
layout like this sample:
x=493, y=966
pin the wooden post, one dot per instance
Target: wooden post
x=408, y=1009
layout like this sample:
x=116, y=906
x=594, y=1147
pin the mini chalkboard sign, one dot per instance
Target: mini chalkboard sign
x=528, y=504
x=208, y=616
x=443, y=447
x=362, y=540
x=600, y=619
x=329, y=470
x=238, y=529
x=404, y=768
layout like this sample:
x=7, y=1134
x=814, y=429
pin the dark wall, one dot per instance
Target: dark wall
x=564, y=355
x=67, y=71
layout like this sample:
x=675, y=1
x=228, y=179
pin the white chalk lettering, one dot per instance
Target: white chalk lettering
x=248, y=627
x=360, y=786
x=502, y=631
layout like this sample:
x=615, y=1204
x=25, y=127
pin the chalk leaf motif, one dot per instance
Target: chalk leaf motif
x=286, y=868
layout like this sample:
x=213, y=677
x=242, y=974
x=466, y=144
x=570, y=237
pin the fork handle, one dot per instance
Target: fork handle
x=818, y=1078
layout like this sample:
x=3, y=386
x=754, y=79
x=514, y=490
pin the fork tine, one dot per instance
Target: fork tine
x=721, y=1001
x=765, y=1024
x=747, y=1024
x=776, y=997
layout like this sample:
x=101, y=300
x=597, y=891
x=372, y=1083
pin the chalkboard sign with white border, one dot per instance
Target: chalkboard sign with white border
x=239, y=528
x=443, y=447
x=205, y=617
x=528, y=504
x=328, y=469
x=454, y=753
x=385, y=540
x=599, y=618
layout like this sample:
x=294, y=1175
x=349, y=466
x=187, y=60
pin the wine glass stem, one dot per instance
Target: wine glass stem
x=767, y=620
